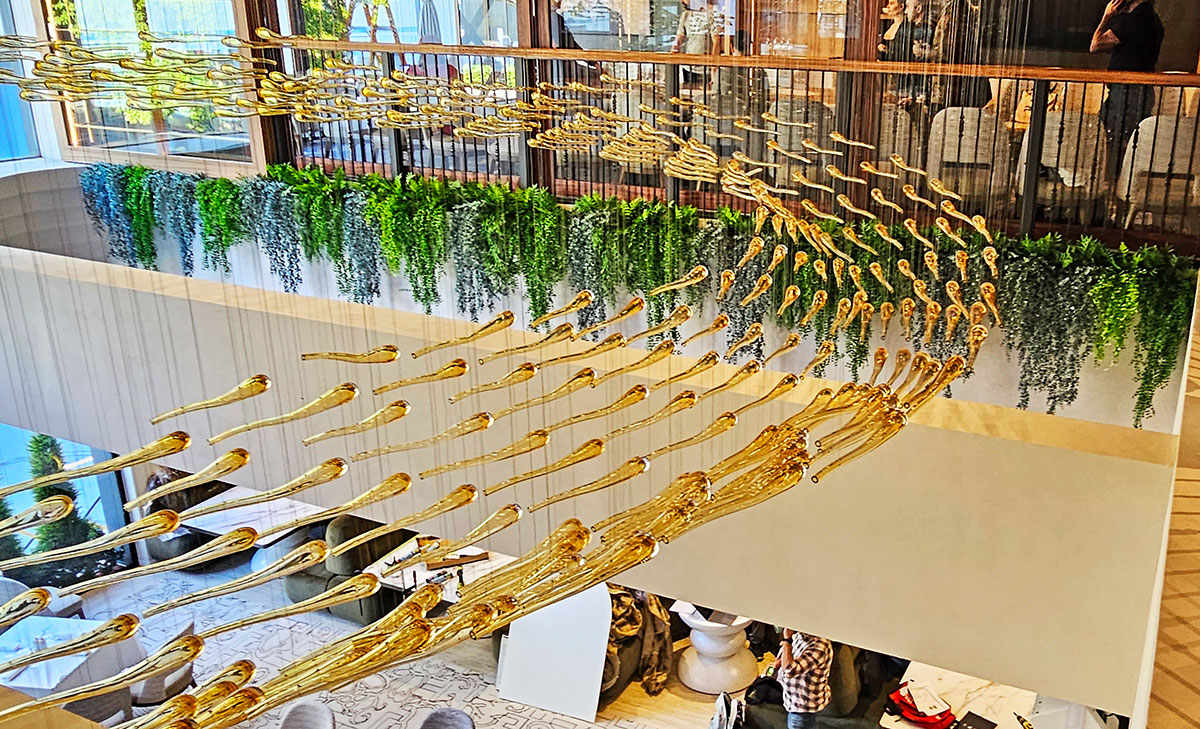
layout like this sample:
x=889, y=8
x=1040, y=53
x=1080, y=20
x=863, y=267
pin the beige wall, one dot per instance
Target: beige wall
x=43, y=210
x=1019, y=547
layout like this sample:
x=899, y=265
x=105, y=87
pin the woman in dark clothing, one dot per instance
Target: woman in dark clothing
x=1134, y=33
x=911, y=44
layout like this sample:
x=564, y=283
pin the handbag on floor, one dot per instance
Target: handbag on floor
x=764, y=690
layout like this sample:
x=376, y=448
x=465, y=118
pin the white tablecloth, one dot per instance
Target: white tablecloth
x=66, y=672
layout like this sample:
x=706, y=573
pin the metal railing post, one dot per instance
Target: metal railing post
x=399, y=166
x=1033, y=159
x=671, y=184
x=525, y=167
x=843, y=120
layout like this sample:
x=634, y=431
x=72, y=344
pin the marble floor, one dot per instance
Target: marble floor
x=461, y=677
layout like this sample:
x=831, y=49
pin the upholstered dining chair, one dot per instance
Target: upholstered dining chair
x=158, y=689
x=308, y=715
x=108, y=709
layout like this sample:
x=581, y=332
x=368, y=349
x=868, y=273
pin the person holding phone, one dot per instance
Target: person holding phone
x=802, y=669
x=1132, y=31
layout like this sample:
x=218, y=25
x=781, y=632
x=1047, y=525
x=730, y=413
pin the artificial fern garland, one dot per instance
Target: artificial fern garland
x=358, y=271
x=175, y=211
x=103, y=187
x=221, y=223
x=139, y=204
x=1062, y=301
x=276, y=227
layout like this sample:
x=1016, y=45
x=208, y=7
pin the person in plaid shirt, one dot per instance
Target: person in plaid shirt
x=802, y=669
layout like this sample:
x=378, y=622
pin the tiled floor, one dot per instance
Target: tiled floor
x=462, y=677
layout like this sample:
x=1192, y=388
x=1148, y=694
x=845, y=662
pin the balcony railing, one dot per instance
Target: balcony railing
x=1113, y=155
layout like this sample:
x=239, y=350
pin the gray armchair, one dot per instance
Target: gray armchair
x=180, y=542
x=108, y=709
x=157, y=689
x=308, y=715
x=336, y=570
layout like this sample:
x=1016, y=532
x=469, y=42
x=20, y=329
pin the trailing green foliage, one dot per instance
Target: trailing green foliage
x=358, y=271
x=1164, y=315
x=541, y=248
x=103, y=187
x=275, y=225
x=1062, y=302
x=175, y=211
x=139, y=204
x=411, y=216
x=319, y=201
x=618, y=247
x=221, y=223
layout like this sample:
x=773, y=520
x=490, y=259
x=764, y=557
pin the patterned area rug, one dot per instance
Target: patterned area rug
x=462, y=677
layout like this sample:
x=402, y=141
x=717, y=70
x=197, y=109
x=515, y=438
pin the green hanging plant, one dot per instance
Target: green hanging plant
x=319, y=203
x=175, y=211
x=411, y=216
x=585, y=232
x=1165, y=300
x=741, y=229
x=139, y=204
x=701, y=248
x=542, y=249
x=275, y=226
x=1115, y=298
x=358, y=274
x=103, y=187
x=483, y=235
x=500, y=230
x=221, y=223
x=1049, y=318
x=474, y=290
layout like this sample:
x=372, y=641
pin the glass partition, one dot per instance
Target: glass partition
x=25, y=455
x=18, y=140
x=446, y=22
x=118, y=121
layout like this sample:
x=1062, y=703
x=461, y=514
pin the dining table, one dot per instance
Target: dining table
x=58, y=674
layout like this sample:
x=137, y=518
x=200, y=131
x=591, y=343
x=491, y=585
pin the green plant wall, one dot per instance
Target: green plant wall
x=1063, y=302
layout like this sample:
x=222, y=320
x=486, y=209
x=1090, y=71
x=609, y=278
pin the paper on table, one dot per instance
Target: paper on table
x=924, y=698
x=682, y=608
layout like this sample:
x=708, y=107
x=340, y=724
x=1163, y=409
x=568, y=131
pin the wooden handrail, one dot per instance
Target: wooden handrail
x=1080, y=75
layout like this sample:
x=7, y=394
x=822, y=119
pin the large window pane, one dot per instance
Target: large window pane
x=449, y=22
x=17, y=137
x=152, y=127
x=25, y=455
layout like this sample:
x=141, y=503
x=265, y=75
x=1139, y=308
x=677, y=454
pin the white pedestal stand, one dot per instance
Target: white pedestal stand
x=718, y=659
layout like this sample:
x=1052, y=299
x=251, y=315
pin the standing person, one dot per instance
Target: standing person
x=1134, y=33
x=957, y=40
x=910, y=44
x=803, y=671
x=699, y=29
x=700, y=32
